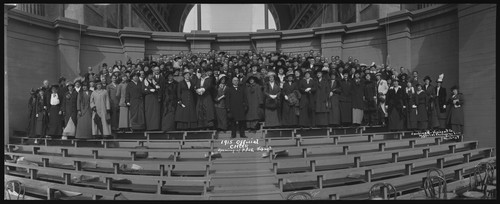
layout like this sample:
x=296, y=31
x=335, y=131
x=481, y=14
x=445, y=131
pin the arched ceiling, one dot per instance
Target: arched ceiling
x=286, y=16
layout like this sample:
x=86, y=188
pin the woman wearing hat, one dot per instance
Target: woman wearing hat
x=456, y=115
x=440, y=102
x=430, y=90
x=421, y=100
x=411, y=107
x=370, y=101
x=151, y=102
x=307, y=87
x=185, y=114
x=169, y=100
x=220, y=103
x=345, y=99
x=272, y=93
x=204, y=101
x=334, y=91
x=112, y=88
x=84, y=127
x=322, y=102
x=31, y=129
x=255, y=99
x=291, y=96
x=99, y=103
x=54, y=112
x=396, y=107
x=123, y=120
x=70, y=111
x=135, y=101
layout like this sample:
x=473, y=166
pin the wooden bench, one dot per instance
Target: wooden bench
x=107, y=194
x=138, y=182
x=414, y=179
x=344, y=149
x=364, y=159
x=320, y=179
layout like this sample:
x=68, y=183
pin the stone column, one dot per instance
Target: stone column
x=266, y=17
x=397, y=26
x=266, y=39
x=68, y=46
x=331, y=38
x=134, y=42
x=6, y=128
x=477, y=71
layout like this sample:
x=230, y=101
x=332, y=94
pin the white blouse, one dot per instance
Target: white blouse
x=54, y=99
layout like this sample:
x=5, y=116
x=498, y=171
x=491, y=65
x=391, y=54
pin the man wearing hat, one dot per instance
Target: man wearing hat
x=440, y=102
x=430, y=90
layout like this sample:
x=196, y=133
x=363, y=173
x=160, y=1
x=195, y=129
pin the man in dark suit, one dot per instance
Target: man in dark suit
x=440, y=102
x=236, y=107
x=430, y=90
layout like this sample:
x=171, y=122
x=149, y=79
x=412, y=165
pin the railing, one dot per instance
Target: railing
x=37, y=9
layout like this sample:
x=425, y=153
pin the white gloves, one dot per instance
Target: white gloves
x=414, y=106
x=286, y=97
x=308, y=89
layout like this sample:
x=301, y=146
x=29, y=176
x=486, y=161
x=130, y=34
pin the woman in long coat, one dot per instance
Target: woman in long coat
x=357, y=100
x=321, y=100
x=99, y=103
x=169, y=103
x=411, y=107
x=114, y=100
x=121, y=90
x=456, y=115
x=84, y=127
x=307, y=88
x=255, y=99
x=55, y=113
x=151, y=102
x=204, y=102
x=31, y=129
x=334, y=91
x=291, y=98
x=272, y=93
x=185, y=113
x=345, y=100
x=421, y=100
x=370, y=94
x=220, y=103
x=396, y=106
x=70, y=111
x=135, y=100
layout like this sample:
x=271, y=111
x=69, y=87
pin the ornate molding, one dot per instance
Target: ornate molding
x=168, y=37
x=61, y=22
x=102, y=32
x=362, y=26
x=233, y=37
x=298, y=33
x=265, y=34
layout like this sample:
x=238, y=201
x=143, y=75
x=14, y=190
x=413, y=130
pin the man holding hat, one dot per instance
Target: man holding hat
x=135, y=100
x=382, y=89
x=345, y=100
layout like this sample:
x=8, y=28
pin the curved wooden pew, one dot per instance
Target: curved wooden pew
x=407, y=181
x=341, y=161
x=329, y=178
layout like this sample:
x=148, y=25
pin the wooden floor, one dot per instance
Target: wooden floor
x=328, y=163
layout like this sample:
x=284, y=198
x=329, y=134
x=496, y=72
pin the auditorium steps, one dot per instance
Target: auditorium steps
x=271, y=164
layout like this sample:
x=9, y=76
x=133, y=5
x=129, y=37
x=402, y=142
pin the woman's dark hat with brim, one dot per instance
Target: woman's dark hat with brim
x=427, y=78
x=289, y=73
x=454, y=87
x=255, y=78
